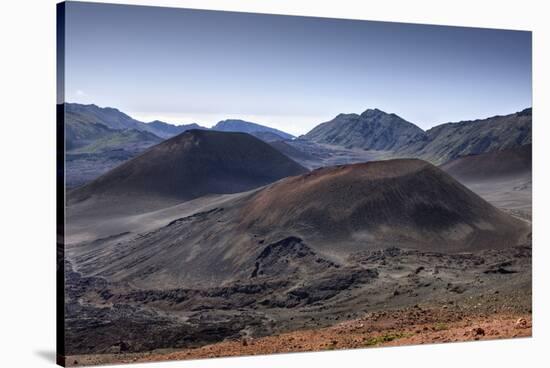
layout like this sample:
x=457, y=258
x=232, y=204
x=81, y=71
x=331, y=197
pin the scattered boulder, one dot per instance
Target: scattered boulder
x=522, y=323
x=478, y=331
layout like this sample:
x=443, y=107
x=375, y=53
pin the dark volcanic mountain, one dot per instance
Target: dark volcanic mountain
x=99, y=139
x=377, y=204
x=448, y=141
x=373, y=130
x=232, y=125
x=193, y=164
x=511, y=163
x=336, y=211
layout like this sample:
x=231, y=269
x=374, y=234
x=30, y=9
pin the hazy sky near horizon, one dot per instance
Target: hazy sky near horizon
x=291, y=73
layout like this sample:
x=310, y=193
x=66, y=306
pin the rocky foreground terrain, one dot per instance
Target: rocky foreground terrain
x=373, y=330
x=382, y=297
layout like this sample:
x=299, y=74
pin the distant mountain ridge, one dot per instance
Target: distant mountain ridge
x=117, y=120
x=380, y=131
x=166, y=130
x=373, y=130
x=107, y=137
x=451, y=140
x=110, y=117
x=261, y=131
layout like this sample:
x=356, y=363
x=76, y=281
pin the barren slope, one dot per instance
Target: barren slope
x=503, y=178
x=191, y=165
x=379, y=204
x=510, y=163
x=329, y=213
x=446, y=142
x=373, y=129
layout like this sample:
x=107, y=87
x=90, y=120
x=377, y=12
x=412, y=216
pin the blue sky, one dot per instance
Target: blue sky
x=291, y=73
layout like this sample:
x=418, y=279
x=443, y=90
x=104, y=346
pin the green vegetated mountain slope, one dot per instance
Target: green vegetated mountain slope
x=133, y=141
x=78, y=133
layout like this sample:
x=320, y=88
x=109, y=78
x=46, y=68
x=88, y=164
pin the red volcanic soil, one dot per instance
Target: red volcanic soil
x=355, y=334
x=407, y=202
x=412, y=326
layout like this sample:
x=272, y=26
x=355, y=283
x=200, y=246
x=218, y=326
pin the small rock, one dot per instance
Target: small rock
x=479, y=331
x=521, y=323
